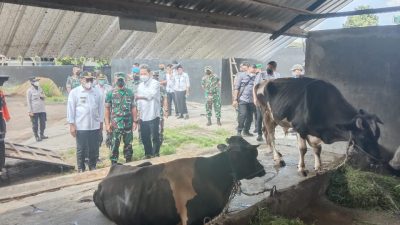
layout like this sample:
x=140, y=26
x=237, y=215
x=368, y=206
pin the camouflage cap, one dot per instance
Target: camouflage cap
x=87, y=75
x=101, y=77
x=120, y=75
x=208, y=68
x=297, y=67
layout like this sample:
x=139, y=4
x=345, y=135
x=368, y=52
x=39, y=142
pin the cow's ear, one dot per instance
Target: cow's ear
x=377, y=119
x=222, y=147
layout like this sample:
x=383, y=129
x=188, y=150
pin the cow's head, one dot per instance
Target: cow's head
x=242, y=157
x=365, y=132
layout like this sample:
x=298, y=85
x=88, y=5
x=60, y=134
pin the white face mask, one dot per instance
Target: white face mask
x=144, y=78
x=36, y=83
x=88, y=85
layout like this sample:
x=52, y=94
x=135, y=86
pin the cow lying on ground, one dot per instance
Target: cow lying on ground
x=184, y=191
x=318, y=112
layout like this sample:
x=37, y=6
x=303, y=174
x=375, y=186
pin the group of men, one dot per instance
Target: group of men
x=244, y=98
x=140, y=99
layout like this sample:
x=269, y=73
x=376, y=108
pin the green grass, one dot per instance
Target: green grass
x=56, y=99
x=263, y=217
x=174, y=139
x=358, y=189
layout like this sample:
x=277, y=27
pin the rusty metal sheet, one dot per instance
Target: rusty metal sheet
x=24, y=152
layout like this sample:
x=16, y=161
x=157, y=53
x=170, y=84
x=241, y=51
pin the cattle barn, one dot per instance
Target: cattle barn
x=362, y=63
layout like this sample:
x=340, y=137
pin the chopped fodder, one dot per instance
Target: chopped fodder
x=359, y=189
x=263, y=217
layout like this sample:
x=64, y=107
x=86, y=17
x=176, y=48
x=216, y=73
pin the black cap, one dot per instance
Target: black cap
x=33, y=79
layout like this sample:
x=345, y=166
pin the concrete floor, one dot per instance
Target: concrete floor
x=73, y=205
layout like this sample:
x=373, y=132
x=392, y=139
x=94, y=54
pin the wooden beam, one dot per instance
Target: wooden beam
x=144, y=10
x=284, y=7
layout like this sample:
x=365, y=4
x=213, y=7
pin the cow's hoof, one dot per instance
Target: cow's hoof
x=303, y=173
x=280, y=163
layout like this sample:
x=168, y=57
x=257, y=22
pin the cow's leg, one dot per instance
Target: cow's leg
x=315, y=143
x=269, y=133
x=303, y=149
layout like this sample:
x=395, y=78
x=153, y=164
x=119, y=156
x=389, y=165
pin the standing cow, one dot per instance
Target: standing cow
x=318, y=112
x=184, y=191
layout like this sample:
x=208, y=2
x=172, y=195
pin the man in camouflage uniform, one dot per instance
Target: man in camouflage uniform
x=120, y=118
x=160, y=77
x=211, y=86
x=74, y=80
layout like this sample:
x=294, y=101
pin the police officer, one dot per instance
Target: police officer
x=211, y=86
x=36, y=108
x=120, y=117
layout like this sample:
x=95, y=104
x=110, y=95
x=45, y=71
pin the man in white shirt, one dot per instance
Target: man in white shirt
x=181, y=88
x=85, y=114
x=170, y=91
x=36, y=108
x=148, y=101
x=103, y=86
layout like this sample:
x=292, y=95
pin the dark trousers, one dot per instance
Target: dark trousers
x=171, y=99
x=259, y=121
x=150, y=133
x=180, y=99
x=38, y=119
x=87, y=143
x=245, y=116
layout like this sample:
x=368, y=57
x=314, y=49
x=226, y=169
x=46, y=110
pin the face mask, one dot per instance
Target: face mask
x=120, y=83
x=88, y=85
x=270, y=71
x=36, y=83
x=102, y=82
x=208, y=72
x=161, y=69
x=144, y=78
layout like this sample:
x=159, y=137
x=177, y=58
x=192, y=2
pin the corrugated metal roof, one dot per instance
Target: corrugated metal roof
x=29, y=31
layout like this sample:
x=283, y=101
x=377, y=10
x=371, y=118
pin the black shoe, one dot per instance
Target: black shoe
x=180, y=117
x=148, y=156
x=81, y=170
x=128, y=160
x=239, y=134
x=208, y=122
x=43, y=137
x=219, y=122
x=113, y=162
x=260, y=138
x=247, y=134
x=255, y=131
x=38, y=138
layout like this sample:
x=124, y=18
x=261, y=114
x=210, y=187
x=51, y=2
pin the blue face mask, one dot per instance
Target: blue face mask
x=101, y=82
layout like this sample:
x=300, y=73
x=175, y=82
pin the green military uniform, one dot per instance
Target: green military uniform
x=210, y=84
x=163, y=93
x=73, y=82
x=121, y=102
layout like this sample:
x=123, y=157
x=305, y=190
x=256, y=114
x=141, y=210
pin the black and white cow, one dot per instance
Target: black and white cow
x=318, y=112
x=184, y=191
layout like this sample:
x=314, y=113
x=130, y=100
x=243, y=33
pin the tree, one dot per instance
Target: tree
x=361, y=20
x=396, y=19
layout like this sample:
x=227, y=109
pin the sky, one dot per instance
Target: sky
x=384, y=18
